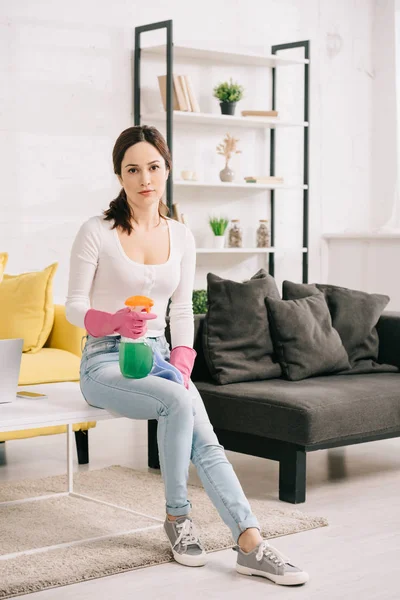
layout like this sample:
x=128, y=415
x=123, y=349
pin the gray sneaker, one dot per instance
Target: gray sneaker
x=267, y=561
x=186, y=546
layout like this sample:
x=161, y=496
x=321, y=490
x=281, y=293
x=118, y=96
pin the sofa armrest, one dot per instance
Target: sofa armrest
x=388, y=328
x=64, y=335
x=200, y=369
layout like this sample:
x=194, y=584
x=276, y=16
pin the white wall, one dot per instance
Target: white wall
x=384, y=171
x=66, y=94
x=360, y=257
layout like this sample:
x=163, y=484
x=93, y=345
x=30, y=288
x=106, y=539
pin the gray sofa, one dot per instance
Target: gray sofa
x=283, y=420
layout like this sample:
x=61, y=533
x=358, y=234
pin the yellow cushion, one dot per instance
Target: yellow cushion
x=28, y=433
x=3, y=262
x=64, y=335
x=49, y=365
x=27, y=309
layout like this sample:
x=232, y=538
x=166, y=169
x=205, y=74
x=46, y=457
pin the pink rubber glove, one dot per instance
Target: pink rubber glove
x=182, y=357
x=126, y=322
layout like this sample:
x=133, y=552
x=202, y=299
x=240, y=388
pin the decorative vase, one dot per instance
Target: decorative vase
x=219, y=241
x=228, y=108
x=227, y=174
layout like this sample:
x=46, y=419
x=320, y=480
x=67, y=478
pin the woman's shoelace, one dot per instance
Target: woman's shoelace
x=187, y=534
x=265, y=549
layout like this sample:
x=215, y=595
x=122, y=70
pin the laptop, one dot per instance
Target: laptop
x=10, y=364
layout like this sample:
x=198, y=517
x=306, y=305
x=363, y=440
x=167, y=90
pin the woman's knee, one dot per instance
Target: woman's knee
x=177, y=400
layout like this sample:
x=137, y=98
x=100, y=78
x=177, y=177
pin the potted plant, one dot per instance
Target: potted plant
x=200, y=302
x=228, y=94
x=227, y=148
x=218, y=226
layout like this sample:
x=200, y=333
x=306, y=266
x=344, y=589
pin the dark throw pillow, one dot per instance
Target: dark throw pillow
x=354, y=316
x=237, y=344
x=305, y=342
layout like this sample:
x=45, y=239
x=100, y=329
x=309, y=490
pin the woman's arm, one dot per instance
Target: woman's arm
x=181, y=308
x=83, y=264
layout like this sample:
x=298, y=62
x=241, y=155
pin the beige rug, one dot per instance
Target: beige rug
x=67, y=519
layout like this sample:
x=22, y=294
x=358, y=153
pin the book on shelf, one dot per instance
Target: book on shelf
x=184, y=98
x=264, y=179
x=259, y=113
x=180, y=92
x=193, y=100
x=179, y=98
x=162, y=84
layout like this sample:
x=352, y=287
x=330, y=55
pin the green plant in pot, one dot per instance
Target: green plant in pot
x=228, y=93
x=200, y=302
x=218, y=226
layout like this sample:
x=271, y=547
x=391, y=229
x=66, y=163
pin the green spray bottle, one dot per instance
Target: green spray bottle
x=136, y=355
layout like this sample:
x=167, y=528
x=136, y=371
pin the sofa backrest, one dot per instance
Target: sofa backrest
x=200, y=370
x=388, y=328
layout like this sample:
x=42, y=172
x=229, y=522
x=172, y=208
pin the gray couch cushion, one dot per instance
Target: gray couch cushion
x=237, y=344
x=305, y=342
x=354, y=315
x=311, y=411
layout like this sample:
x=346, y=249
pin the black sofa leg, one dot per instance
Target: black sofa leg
x=292, y=476
x=152, y=446
x=82, y=446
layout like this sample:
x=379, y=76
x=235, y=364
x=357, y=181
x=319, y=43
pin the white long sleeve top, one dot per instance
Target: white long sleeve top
x=102, y=276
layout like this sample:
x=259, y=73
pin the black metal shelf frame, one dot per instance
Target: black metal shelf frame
x=274, y=50
x=136, y=88
x=169, y=122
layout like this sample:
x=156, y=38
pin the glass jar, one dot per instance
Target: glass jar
x=135, y=357
x=235, y=235
x=263, y=240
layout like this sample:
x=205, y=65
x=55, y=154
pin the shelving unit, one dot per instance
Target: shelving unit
x=238, y=185
x=272, y=61
x=235, y=58
x=238, y=250
x=235, y=250
x=191, y=118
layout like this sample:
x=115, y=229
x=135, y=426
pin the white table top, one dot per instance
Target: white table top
x=64, y=404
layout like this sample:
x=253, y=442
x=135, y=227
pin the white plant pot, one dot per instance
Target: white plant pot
x=219, y=241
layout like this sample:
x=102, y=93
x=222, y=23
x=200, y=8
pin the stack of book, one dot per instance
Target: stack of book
x=183, y=94
x=264, y=179
x=259, y=113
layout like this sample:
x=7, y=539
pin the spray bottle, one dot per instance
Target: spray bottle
x=136, y=355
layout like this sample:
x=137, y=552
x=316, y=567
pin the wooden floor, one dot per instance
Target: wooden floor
x=356, y=488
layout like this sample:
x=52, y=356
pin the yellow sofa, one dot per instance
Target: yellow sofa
x=58, y=360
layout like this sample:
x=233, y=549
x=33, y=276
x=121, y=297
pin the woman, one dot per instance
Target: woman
x=135, y=249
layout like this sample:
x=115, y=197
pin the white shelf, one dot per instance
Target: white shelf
x=235, y=250
x=238, y=250
x=218, y=119
x=239, y=185
x=258, y=60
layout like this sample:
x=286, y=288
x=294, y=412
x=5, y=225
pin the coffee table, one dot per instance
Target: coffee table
x=64, y=405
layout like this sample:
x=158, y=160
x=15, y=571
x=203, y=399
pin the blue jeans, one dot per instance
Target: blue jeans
x=184, y=430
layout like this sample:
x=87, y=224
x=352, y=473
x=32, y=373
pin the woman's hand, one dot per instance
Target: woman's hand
x=125, y=322
x=182, y=357
x=134, y=324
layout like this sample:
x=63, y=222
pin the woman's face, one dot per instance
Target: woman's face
x=143, y=175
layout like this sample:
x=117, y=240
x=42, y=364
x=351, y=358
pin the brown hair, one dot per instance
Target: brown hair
x=119, y=209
